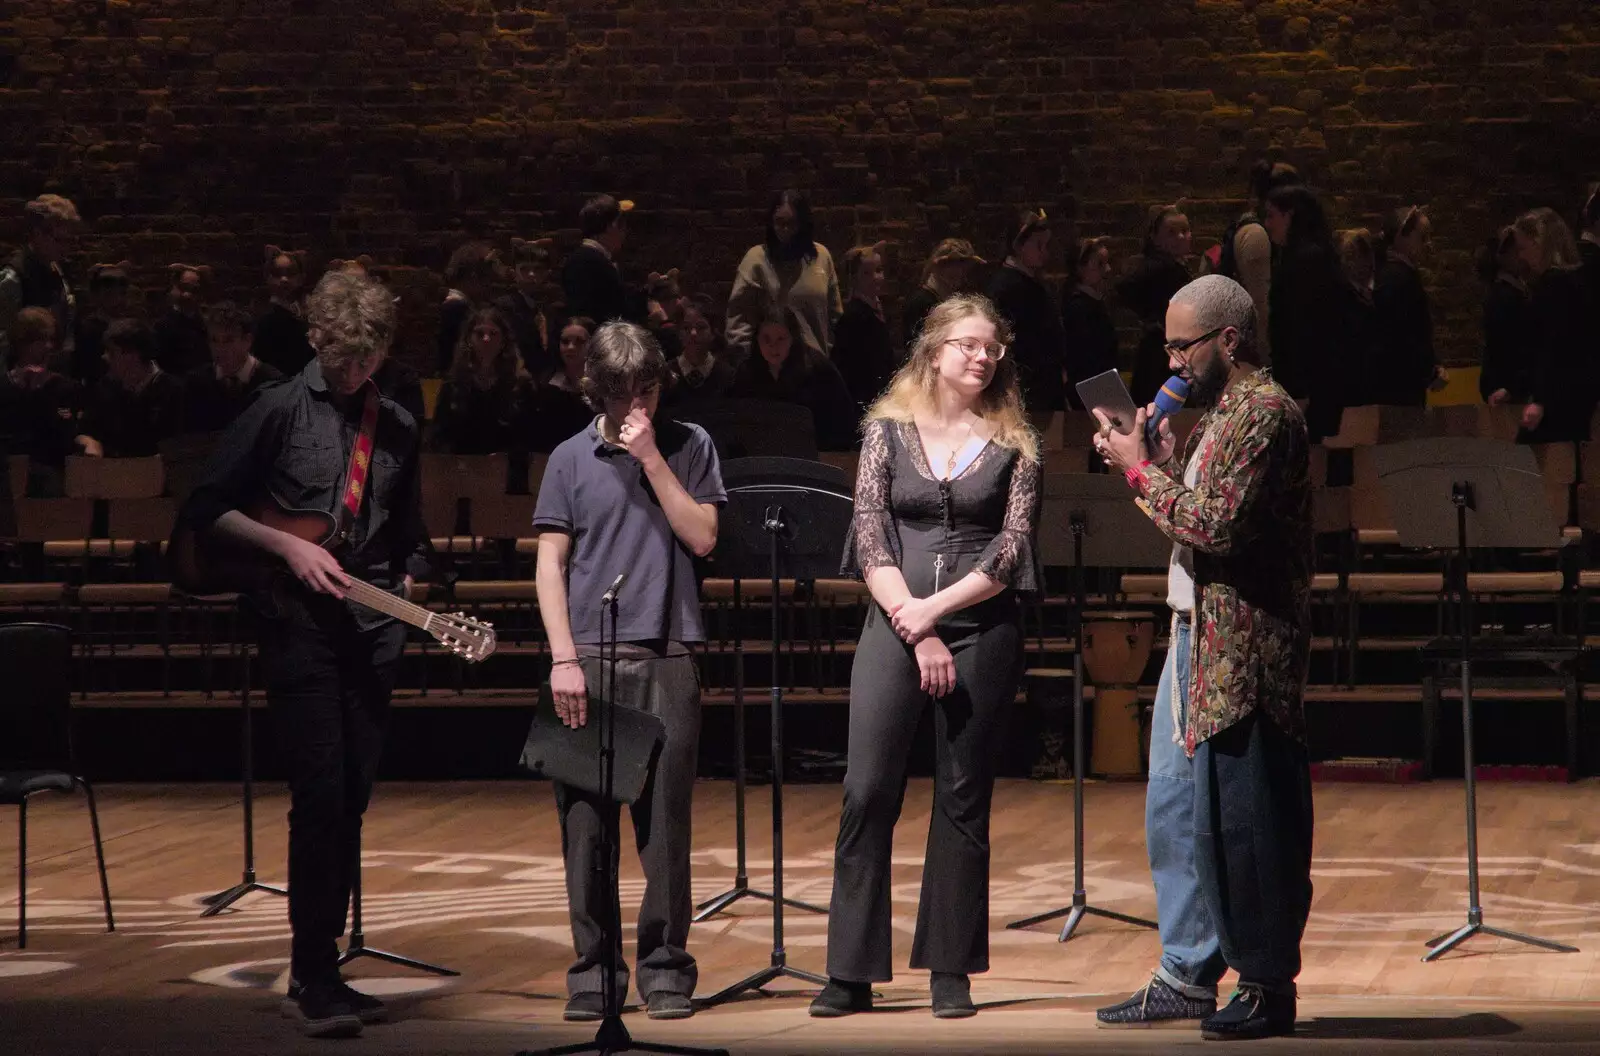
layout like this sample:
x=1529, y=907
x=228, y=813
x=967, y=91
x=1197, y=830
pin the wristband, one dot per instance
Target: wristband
x=571, y=660
x=1134, y=475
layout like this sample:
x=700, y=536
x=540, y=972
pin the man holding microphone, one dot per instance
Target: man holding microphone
x=629, y=495
x=1229, y=815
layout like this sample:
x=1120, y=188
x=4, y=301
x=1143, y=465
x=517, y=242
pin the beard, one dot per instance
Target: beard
x=1206, y=385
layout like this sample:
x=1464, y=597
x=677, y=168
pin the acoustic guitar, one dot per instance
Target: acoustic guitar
x=216, y=565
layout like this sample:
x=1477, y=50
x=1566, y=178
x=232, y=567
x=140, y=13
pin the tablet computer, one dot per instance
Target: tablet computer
x=1107, y=394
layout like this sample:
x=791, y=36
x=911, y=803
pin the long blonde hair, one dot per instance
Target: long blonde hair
x=1000, y=404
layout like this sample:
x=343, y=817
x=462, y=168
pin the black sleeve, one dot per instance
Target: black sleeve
x=237, y=470
x=413, y=551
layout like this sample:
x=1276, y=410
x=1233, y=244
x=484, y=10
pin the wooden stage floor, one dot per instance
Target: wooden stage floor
x=469, y=875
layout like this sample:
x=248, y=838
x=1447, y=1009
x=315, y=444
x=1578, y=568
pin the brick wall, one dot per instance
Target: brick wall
x=189, y=129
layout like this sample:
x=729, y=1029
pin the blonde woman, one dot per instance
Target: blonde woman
x=1566, y=383
x=947, y=500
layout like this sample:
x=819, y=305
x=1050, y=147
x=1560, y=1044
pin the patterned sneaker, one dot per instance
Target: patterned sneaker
x=369, y=1008
x=1156, y=1005
x=1254, y=1012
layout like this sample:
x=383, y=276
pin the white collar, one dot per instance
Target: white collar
x=1098, y=295
x=1589, y=236
x=703, y=370
x=597, y=245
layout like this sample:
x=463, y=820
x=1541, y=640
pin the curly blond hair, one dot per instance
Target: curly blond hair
x=349, y=316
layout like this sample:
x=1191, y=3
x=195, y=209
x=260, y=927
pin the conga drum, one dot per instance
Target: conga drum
x=1116, y=647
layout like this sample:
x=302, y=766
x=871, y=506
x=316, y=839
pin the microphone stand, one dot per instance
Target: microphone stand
x=612, y=1035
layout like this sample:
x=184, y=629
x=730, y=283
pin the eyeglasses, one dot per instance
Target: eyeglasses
x=971, y=346
x=1178, y=348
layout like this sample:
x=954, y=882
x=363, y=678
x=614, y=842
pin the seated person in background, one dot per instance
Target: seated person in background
x=137, y=404
x=663, y=311
x=572, y=345
x=215, y=393
x=1508, y=352
x=786, y=370
x=38, y=407
x=489, y=403
x=280, y=337
x=472, y=273
x=105, y=298
x=700, y=374
x=1086, y=324
x=180, y=333
x=947, y=273
x=524, y=307
x=863, y=349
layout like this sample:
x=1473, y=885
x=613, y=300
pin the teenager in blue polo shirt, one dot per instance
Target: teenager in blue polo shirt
x=629, y=495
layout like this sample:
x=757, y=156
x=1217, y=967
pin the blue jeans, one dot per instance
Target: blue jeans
x=1191, y=953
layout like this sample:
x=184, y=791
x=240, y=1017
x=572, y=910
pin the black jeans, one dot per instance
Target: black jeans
x=886, y=704
x=669, y=688
x=1252, y=831
x=328, y=686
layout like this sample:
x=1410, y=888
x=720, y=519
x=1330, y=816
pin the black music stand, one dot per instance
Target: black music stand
x=1467, y=494
x=786, y=517
x=248, y=883
x=1090, y=521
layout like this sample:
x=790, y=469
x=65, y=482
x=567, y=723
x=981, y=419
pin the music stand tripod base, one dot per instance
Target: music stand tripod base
x=358, y=941
x=248, y=884
x=614, y=1037
x=1096, y=506
x=712, y=906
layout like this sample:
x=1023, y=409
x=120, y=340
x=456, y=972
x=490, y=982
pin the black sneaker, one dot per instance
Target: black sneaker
x=664, y=1004
x=585, y=1007
x=1254, y=1012
x=1156, y=1005
x=840, y=998
x=369, y=1008
x=321, y=1011
x=952, y=996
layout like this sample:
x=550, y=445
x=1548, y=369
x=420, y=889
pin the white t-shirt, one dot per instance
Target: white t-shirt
x=1180, y=568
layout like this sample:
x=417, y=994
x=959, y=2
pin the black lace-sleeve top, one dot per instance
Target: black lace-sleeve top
x=984, y=519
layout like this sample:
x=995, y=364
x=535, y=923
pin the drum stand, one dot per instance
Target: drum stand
x=1080, y=906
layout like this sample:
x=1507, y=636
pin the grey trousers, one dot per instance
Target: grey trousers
x=669, y=688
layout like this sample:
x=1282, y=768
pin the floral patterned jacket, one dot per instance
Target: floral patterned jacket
x=1248, y=522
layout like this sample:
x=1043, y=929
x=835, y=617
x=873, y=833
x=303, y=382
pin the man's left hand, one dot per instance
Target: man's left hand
x=638, y=435
x=1121, y=451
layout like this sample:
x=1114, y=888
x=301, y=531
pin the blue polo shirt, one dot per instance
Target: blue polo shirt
x=598, y=494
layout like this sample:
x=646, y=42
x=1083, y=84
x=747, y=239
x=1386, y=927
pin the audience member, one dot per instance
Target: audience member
x=280, y=332
x=1244, y=253
x=471, y=274
x=565, y=400
x=701, y=373
x=137, y=404
x=1307, y=289
x=215, y=393
x=1506, y=377
x=486, y=402
x=790, y=269
x=105, y=298
x=1018, y=292
x=787, y=370
x=1563, y=390
x=32, y=277
x=180, y=333
x=1589, y=242
x=863, y=349
x=1345, y=376
x=1405, y=321
x=1160, y=272
x=524, y=307
x=947, y=273
x=591, y=278
x=1090, y=335
x=38, y=406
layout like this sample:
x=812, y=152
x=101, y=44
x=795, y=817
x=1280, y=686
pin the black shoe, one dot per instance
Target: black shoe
x=664, y=1004
x=321, y=1011
x=1253, y=1013
x=1156, y=1005
x=952, y=996
x=840, y=998
x=369, y=1008
x=585, y=1007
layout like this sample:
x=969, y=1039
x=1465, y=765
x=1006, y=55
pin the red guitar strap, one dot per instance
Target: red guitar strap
x=355, y=476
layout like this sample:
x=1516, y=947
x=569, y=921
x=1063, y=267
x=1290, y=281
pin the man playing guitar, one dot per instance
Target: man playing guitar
x=325, y=441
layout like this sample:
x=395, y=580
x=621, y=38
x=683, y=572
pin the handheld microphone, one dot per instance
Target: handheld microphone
x=1168, y=401
x=610, y=596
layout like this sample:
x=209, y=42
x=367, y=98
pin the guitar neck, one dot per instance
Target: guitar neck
x=376, y=598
